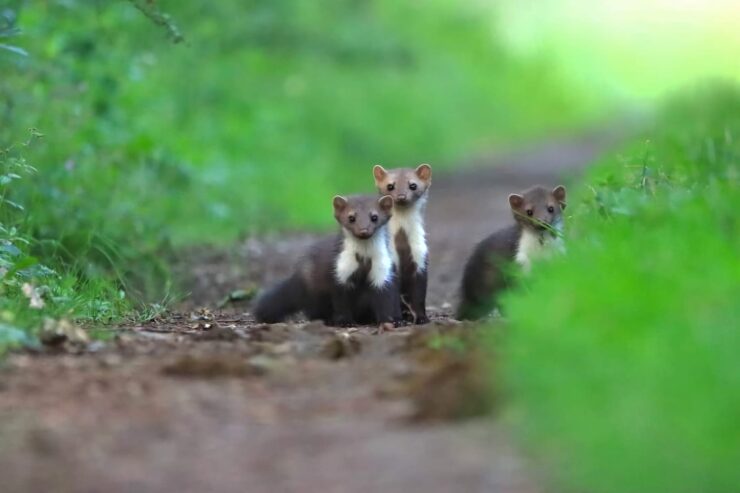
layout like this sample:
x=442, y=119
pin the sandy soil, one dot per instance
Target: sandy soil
x=205, y=400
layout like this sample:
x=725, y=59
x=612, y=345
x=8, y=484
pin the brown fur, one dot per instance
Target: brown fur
x=538, y=199
x=489, y=268
x=314, y=289
x=362, y=215
x=405, y=185
x=408, y=187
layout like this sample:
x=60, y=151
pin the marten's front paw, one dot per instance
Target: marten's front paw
x=384, y=327
x=421, y=320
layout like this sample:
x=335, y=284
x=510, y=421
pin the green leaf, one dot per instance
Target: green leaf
x=238, y=295
x=36, y=270
x=14, y=49
x=24, y=263
x=11, y=249
x=13, y=336
x=14, y=205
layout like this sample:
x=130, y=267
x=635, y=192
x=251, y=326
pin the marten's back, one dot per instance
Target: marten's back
x=316, y=267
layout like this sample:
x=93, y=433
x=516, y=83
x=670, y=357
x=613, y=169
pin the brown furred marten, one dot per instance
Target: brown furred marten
x=536, y=232
x=409, y=189
x=346, y=279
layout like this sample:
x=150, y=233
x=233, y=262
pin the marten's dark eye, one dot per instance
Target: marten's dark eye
x=374, y=218
x=391, y=186
x=530, y=212
x=352, y=219
x=550, y=209
x=412, y=186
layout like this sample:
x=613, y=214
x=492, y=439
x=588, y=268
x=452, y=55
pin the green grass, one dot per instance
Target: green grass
x=622, y=355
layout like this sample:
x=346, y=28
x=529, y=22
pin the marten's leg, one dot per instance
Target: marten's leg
x=341, y=304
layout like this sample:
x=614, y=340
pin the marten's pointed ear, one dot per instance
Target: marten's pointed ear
x=516, y=200
x=379, y=173
x=339, y=203
x=385, y=203
x=424, y=172
x=559, y=194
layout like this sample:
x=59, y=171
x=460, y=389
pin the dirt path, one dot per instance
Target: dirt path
x=210, y=402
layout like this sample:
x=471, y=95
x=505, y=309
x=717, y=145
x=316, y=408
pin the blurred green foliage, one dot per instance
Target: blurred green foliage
x=631, y=50
x=622, y=354
x=268, y=109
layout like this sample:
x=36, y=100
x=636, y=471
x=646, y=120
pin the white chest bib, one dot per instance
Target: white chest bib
x=374, y=249
x=411, y=221
x=532, y=246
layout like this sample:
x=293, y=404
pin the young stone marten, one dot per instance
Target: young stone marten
x=408, y=187
x=536, y=232
x=346, y=279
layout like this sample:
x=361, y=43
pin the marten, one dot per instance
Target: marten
x=537, y=231
x=346, y=279
x=409, y=188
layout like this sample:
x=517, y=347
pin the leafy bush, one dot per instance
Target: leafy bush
x=622, y=355
x=15, y=264
x=29, y=289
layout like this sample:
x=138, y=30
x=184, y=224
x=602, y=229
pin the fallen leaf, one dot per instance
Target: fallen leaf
x=201, y=314
x=238, y=295
x=57, y=332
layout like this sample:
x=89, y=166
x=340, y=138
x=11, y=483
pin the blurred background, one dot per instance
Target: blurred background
x=252, y=113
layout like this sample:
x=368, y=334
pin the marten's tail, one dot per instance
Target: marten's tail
x=280, y=301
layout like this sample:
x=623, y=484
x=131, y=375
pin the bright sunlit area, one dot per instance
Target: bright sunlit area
x=633, y=51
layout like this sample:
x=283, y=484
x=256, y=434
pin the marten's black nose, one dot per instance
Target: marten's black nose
x=364, y=233
x=402, y=198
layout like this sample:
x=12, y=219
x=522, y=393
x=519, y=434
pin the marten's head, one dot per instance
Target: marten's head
x=362, y=215
x=405, y=185
x=539, y=208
